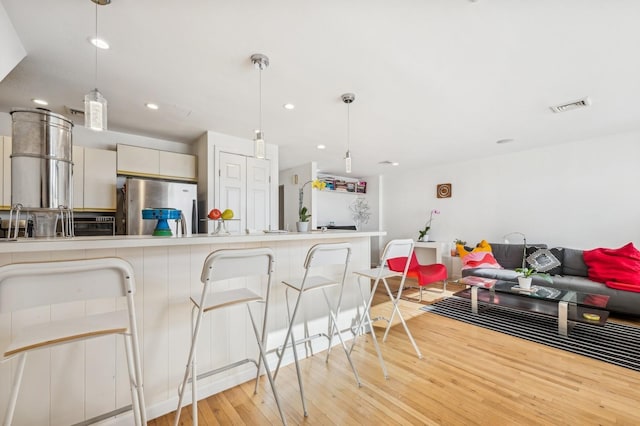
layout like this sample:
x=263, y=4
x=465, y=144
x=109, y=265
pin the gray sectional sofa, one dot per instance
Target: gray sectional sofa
x=572, y=275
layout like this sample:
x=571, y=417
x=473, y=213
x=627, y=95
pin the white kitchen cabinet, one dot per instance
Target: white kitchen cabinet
x=5, y=164
x=177, y=166
x=78, y=177
x=94, y=179
x=137, y=161
x=147, y=162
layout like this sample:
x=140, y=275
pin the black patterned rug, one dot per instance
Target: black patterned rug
x=614, y=343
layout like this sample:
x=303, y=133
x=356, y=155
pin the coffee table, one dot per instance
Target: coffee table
x=568, y=306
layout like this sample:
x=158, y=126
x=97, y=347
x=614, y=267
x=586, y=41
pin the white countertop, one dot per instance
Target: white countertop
x=122, y=241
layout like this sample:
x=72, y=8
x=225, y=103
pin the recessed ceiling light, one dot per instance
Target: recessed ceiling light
x=288, y=106
x=321, y=146
x=40, y=101
x=395, y=163
x=152, y=106
x=99, y=43
x=501, y=141
x=389, y=163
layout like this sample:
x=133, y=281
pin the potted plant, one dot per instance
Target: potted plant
x=303, y=220
x=423, y=234
x=525, y=277
x=303, y=217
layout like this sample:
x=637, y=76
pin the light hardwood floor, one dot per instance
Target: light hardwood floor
x=469, y=375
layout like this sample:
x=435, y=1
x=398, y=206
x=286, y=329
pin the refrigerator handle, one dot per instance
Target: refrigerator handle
x=194, y=218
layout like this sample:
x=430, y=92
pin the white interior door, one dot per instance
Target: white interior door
x=231, y=194
x=258, y=194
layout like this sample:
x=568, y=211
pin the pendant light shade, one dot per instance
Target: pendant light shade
x=95, y=105
x=348, y=98
x=95, y=110
x=261, y=62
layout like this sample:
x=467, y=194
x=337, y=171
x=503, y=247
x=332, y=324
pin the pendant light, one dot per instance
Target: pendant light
x=95, y=105
x=348, y=98
x=261, y=62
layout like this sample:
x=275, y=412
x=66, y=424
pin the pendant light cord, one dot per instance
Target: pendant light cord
x=260, y=97
x=348, y=126
x=96, y=46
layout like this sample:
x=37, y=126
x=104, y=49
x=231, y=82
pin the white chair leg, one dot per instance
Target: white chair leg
x=188, y=369
x=334, y=321
x=15, y=389
x=266, y=366
x=366, y=316
x=133, y=386
x=194, y=376
x=289, y=336
x=404, y=324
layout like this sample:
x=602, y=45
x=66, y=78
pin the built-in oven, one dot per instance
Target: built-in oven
x=94, y=226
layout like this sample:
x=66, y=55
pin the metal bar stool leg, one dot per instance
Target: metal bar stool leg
x=344, y=346
x=404, y=324
x=17, y=380
x=266, y=366
x=366, y=316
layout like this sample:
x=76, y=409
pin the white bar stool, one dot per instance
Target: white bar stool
x=223, y=265
x=393, y=249
x=319, y=255
x=28, y=285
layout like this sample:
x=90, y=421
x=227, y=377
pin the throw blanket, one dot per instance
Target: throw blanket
x=616, y=268
x=480, y=259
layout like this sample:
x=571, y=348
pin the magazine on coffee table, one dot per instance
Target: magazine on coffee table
x=477, y=281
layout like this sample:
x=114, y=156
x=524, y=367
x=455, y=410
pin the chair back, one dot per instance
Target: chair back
x=328, y=254
x=398, y=248
x=31, y=284
x=233, y=263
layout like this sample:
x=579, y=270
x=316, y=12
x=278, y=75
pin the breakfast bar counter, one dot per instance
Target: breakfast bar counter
x=68, y=384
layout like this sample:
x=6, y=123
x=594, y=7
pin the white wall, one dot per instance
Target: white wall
x=11, y=48
x=580, y=195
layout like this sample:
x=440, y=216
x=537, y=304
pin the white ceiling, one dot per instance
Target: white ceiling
x=435, y=80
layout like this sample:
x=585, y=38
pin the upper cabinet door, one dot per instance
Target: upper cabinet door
x=258, y=194
x=78, y=177
x=232, y=184
x=99, y=180
x=136, y=161
x=178, y=166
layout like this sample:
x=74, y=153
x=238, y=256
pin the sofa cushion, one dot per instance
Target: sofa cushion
x=509, y=256
x=573, y=263
x=620, y=265
x=557, y=252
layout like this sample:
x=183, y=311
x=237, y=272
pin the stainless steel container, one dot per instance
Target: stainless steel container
x=41, y=160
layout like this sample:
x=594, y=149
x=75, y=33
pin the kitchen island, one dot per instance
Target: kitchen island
x=68, y=384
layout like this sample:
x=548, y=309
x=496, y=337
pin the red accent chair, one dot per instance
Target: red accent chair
x=425, y=274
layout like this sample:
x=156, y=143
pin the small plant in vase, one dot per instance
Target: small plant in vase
x=303, y=220
x=303, y=214
x=526, y=274
x=423, y=235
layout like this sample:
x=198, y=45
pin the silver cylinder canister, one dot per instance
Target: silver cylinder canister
x=41, y=165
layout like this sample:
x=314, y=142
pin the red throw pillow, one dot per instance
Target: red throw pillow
x=614, y=265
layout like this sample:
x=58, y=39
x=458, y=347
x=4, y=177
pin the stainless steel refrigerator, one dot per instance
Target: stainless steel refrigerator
x=137, y=194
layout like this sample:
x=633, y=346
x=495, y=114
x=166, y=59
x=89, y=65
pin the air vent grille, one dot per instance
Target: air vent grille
x=585, y=102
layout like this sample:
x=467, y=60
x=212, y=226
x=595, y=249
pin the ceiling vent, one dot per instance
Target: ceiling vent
x=73, y=112
x=584, y=102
